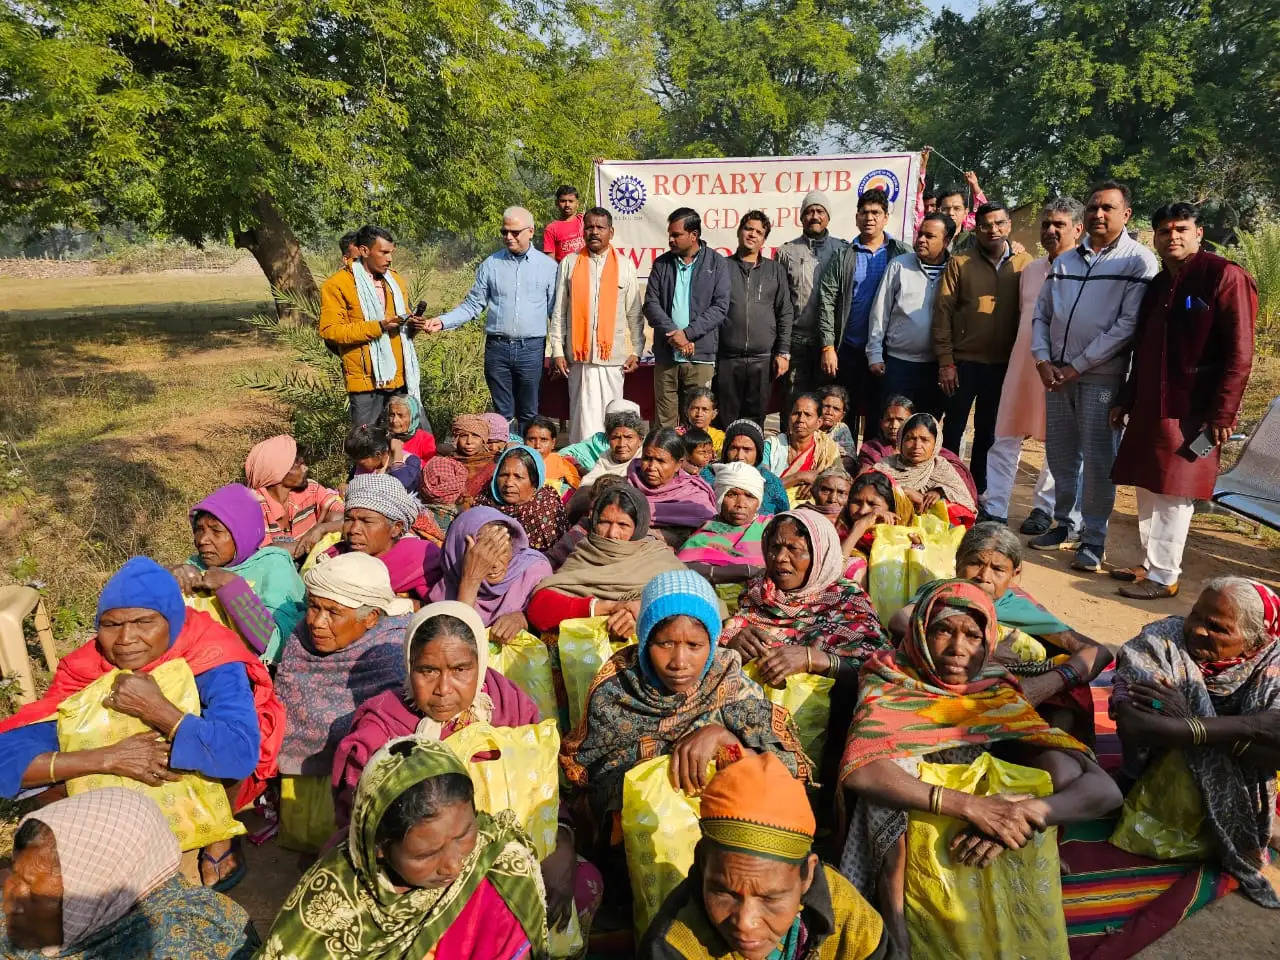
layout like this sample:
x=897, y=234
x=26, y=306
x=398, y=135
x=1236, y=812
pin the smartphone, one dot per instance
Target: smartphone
x=1203, y=444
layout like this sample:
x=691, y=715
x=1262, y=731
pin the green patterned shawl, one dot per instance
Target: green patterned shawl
x=345, y=907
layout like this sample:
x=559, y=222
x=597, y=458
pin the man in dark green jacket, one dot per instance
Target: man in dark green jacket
x=846, y=291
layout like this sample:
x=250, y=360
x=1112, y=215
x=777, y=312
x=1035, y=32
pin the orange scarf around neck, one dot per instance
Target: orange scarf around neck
x=606, y=306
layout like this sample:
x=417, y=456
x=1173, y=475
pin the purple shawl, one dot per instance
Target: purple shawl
x=528, y=567
x=237, y=509
x=685, y=500
x=388, y=715
x=320, y=692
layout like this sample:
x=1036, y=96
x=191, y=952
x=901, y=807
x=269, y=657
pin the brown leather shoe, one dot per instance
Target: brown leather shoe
x=1148, y=590
x=1129, y=574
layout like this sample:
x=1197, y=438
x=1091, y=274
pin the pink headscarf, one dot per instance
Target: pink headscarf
x=92, y=831
x=499, y=429
x=1270, y=609
x=269, y=461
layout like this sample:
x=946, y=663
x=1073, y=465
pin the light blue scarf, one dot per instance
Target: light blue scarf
x=384, y=360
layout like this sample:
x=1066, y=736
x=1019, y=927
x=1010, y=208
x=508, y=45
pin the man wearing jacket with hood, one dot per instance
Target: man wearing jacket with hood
x=804, y=259
x=846, y=290
x=755, y=341
x=686, y=302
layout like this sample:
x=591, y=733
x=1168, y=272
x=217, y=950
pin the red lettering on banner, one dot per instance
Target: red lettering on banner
x=721, y=218
x=738, y=183
x=844, y=181
x=680, y=184
x=782, y=182
x=757, y=180
x=660, y=186
x=784, y=216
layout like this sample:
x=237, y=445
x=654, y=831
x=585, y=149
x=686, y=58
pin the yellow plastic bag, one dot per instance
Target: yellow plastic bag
x=568, y=942
x=1009, y=910
x=807, y=697
x=195, y=806
x=526, y=662
x=904, y=558
x=1163, y=815
x=524, y=777
x=584, y=647
x=306, y=812
x=660, y=830
x=730, y=595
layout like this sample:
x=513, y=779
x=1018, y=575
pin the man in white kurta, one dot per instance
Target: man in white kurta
x=595, y=353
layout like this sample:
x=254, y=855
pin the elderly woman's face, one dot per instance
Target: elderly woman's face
x=444, y=677
x=503, y=549
x=1212, y=629
x=958, y=648
x=131, y=637
x=368, y=531
x=752, y=901
x=334, y=626
x=657, y=466
x=399, y=418
x=787, y=556
x=805, y=419
x=33, y=896
x=515, y=486
x=831, y=492
x=678, y=650
x=739, y=507
x=989, y=569
x=614, y=523
x=213, y=541
x=917, y=445
x=623, y=444
x=832, y=411
x=891, y=423
x=700, y=412
x=741, y=449
x=469, y=444
x=433, y=851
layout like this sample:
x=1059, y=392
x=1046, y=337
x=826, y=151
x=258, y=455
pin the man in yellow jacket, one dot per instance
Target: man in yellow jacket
x=365, y=318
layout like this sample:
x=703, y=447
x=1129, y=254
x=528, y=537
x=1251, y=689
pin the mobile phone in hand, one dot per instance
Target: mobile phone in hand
x=1203, y=444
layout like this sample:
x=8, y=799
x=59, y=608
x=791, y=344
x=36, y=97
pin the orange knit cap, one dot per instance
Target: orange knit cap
x=756, y=807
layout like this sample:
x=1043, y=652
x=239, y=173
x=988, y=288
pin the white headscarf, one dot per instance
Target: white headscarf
x=356, y=580
x=736, y=476
x=482, y=706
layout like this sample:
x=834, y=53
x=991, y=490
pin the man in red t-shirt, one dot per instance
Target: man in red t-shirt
x=564, y=236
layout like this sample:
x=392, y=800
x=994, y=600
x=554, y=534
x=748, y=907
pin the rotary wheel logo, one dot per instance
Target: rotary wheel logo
x=626, y=194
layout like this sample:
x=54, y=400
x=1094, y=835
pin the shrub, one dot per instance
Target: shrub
x=1258, y=252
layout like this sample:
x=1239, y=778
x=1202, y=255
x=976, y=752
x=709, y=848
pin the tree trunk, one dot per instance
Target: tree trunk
x=279, y=254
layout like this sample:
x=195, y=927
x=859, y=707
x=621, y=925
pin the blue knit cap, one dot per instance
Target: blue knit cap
x=670, y=594
x=142, y=582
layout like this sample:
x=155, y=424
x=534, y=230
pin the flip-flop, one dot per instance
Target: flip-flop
x=235, y=876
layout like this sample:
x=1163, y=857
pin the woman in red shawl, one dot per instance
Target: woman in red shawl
x=471, y=449
x=942, y=697
x=142, y=623
x=450, y=685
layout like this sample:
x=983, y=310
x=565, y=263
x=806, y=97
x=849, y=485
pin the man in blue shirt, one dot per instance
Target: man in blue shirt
x=846, y=290
x=517, y=288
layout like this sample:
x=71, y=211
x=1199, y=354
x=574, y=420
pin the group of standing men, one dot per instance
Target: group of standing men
x=965, y=322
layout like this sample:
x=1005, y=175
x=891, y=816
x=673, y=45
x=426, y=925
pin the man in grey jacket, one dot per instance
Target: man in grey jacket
x=1084, y=321
x=900, y=338
x=755, y=339
x=804, y=258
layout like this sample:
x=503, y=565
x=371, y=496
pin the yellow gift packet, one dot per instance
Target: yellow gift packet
x=1163, y=814
x=584, y=646
x=807, y=697
x=307, y=818
x=523, y=777
x=1009, y=910
x=904, y=558
x=659, y=830
x=526, y=662
x=195, y=805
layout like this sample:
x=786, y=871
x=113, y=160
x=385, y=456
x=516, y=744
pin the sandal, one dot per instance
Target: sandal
x=228, y=882
x=1148, y=590
x=1129, y=574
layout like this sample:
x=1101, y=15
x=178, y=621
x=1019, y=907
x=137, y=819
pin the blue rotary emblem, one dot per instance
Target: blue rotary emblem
x=626, y=194
x=886, y=180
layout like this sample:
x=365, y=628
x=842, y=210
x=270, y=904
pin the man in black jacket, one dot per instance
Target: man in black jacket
x=755, y=341
x=686, y=301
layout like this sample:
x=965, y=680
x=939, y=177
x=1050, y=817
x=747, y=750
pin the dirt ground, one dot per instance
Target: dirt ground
x=1092, y=606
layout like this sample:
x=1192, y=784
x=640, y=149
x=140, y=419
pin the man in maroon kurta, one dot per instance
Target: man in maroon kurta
x=1192, y=352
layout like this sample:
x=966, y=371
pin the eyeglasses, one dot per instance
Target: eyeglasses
x=993, y=225
x=513, y=233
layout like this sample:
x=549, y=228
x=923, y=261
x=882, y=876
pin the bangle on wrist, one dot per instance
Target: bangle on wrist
x=52, y=757
x=174, y=729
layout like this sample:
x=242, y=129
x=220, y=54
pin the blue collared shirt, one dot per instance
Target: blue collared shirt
x=517, y=291
x=867, y=273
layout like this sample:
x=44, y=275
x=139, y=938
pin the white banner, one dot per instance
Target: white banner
x=641, y=193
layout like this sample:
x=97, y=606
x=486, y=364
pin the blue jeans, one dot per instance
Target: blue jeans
x=513, y=371
x=916, y=380
x=979, y=388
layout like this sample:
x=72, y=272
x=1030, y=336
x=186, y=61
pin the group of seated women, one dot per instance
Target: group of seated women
x=328, y=697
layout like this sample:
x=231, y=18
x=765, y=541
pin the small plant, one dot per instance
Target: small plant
x=1258, y=251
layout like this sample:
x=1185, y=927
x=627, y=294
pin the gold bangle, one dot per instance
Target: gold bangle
x=174, y=729
x=935, y=801
x=1241, y=746
x=1195, y=734
x=52, y=757
x=808, y=659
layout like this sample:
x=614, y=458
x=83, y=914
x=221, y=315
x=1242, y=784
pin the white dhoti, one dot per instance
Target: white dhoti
x=1163, y=524
x=592, y=387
